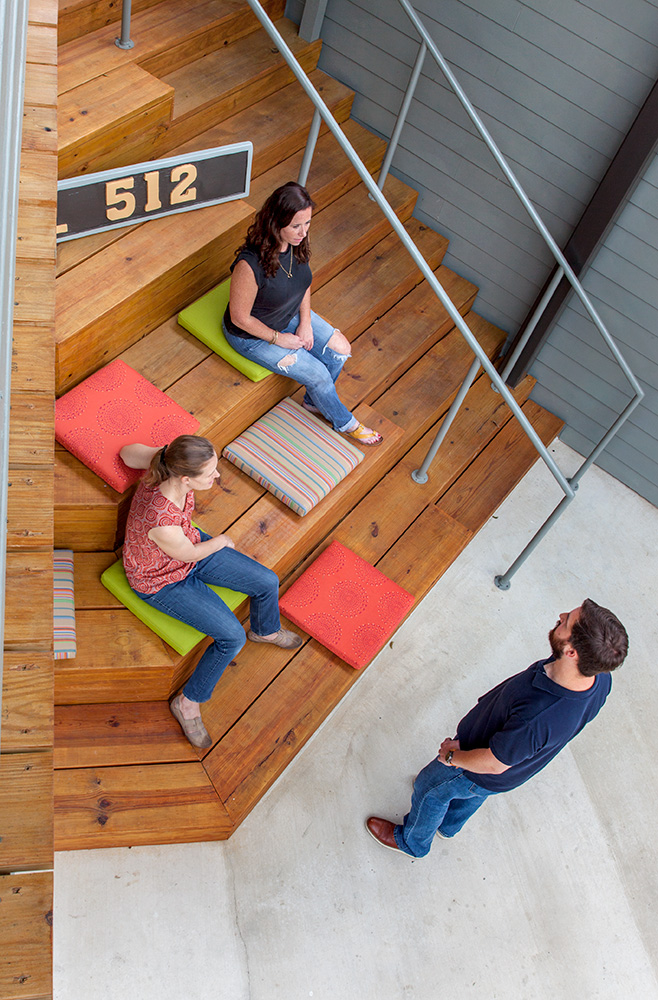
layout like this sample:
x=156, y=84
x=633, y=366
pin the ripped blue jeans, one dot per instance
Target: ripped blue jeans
x=316, y=369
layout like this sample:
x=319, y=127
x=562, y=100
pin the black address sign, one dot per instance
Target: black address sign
x=127, y=195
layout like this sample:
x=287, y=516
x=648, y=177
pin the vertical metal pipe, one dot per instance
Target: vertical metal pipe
x=502, y=581
x=420, y=475
x=536, y=316
x=402, y=116
x=124, y=41
x=13, y=32
x=313, y=134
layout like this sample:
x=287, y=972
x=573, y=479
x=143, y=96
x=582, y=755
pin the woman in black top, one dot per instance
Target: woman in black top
x=269, y=318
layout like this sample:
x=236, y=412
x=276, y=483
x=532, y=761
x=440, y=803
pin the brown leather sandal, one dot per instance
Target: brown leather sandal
x=194, y=729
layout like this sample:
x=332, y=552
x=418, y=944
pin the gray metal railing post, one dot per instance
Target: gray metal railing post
x=313, y=133
x=420, y=475
x=402, y=116
x=568, y=486
x=124, y=41
x=536, y=316
x=13, y=32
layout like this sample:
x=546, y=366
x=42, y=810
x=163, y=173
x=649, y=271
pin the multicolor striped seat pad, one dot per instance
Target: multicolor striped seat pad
x=294, y=455
x=64, y=636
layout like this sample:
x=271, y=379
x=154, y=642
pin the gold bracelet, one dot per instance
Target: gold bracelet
x=275, y=337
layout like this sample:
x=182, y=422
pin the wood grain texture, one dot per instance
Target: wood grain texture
x=90, y=594
x=118, y=659
x=112, y=734
x=97, y=121
x=26, y=804
x=126, y=806
x=424, y=552
x=113, y=299
x=29, y=600
x=27, y=701
x=34, y=291
x=166, y=37
x=26, y=920
x=31, y=429
x=82, y=17
x=30, y=499
x=30, y=343
x=478, y=493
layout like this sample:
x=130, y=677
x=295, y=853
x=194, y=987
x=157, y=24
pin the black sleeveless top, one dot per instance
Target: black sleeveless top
x=278, y=298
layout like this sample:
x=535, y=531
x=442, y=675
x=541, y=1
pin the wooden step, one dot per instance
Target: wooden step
x=166, y=37
x=226, y=82
x=111, y=121
x=26, y=797
x=256, y=750
x=81, y=17
x=125, y=806
x=89, y=515
x=26, y=920
x=118, y=659
x=276, y=126
x=111, y=300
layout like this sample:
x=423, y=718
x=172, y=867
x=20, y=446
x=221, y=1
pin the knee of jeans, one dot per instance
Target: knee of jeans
x=287, y=362
x=339, y=346
x=234, y=637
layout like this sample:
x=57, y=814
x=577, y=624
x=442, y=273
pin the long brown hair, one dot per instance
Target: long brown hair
x=183, y=457
x=264, y=234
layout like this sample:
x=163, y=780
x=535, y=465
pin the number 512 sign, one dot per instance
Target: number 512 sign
x=128, y=195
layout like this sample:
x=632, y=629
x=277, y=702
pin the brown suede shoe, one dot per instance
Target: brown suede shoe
x=284, y=638
x=194, y=729
x=382, y=831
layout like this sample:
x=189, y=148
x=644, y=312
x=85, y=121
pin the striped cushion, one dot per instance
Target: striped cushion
x=64, y=638
x=293, y=455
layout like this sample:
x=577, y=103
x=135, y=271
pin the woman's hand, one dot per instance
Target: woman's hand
x=222, y=542
x=305, y=334
x=289, y=341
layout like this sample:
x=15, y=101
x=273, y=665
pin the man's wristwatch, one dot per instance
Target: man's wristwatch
x=449, y=757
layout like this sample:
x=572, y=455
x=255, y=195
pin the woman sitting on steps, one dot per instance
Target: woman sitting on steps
x=168, y=563
x=269, y=318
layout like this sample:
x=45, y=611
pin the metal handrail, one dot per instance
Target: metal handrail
x=408, y=243
x=427, y=44
x=13, y=37
x=322, y=112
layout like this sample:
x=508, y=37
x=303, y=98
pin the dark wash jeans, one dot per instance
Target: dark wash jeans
x=192, y=602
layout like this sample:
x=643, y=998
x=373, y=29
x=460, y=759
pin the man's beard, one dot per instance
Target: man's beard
x=557, y=645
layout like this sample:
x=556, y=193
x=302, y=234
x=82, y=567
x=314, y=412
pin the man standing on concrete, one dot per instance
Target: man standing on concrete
x=513, y=731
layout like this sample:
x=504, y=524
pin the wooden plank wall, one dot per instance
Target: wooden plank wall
x=623, y=284
x=26, y=809
x=558, y=86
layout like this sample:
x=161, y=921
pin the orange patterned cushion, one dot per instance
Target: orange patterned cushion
x=346, y=604
x=113, y=407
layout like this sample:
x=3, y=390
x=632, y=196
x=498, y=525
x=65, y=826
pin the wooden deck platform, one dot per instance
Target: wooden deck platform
x=124, y=774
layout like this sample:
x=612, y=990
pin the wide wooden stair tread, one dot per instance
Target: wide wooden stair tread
x=202, y=74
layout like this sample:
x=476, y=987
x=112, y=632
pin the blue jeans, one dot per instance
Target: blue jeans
x=443, y=799
x=316, y=369
x=190, y=601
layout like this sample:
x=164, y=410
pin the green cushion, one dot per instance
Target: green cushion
x=203, y=318
x=182, y=637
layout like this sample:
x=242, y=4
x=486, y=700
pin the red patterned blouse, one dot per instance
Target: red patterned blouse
x=147, y=567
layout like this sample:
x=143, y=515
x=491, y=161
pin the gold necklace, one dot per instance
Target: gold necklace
x=283, y=267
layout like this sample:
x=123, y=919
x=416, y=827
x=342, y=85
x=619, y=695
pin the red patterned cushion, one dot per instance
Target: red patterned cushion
x=113, y=407
x=346, y=604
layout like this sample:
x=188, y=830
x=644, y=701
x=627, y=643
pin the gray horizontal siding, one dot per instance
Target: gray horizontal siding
x=558, y=86
x=577, y=378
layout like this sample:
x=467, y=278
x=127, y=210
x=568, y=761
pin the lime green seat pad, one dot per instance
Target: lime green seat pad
x=203, y=318
x=182, y=637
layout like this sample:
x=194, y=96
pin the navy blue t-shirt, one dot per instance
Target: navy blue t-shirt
x=525, y=721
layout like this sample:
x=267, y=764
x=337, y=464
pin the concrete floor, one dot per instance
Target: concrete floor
x=547, y=894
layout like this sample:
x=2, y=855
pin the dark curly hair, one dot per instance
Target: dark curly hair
x=264, y=234
x=599, y=638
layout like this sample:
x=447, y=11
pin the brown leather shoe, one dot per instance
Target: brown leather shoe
x=284, y=638
x=194, y=729
x=382, y=831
